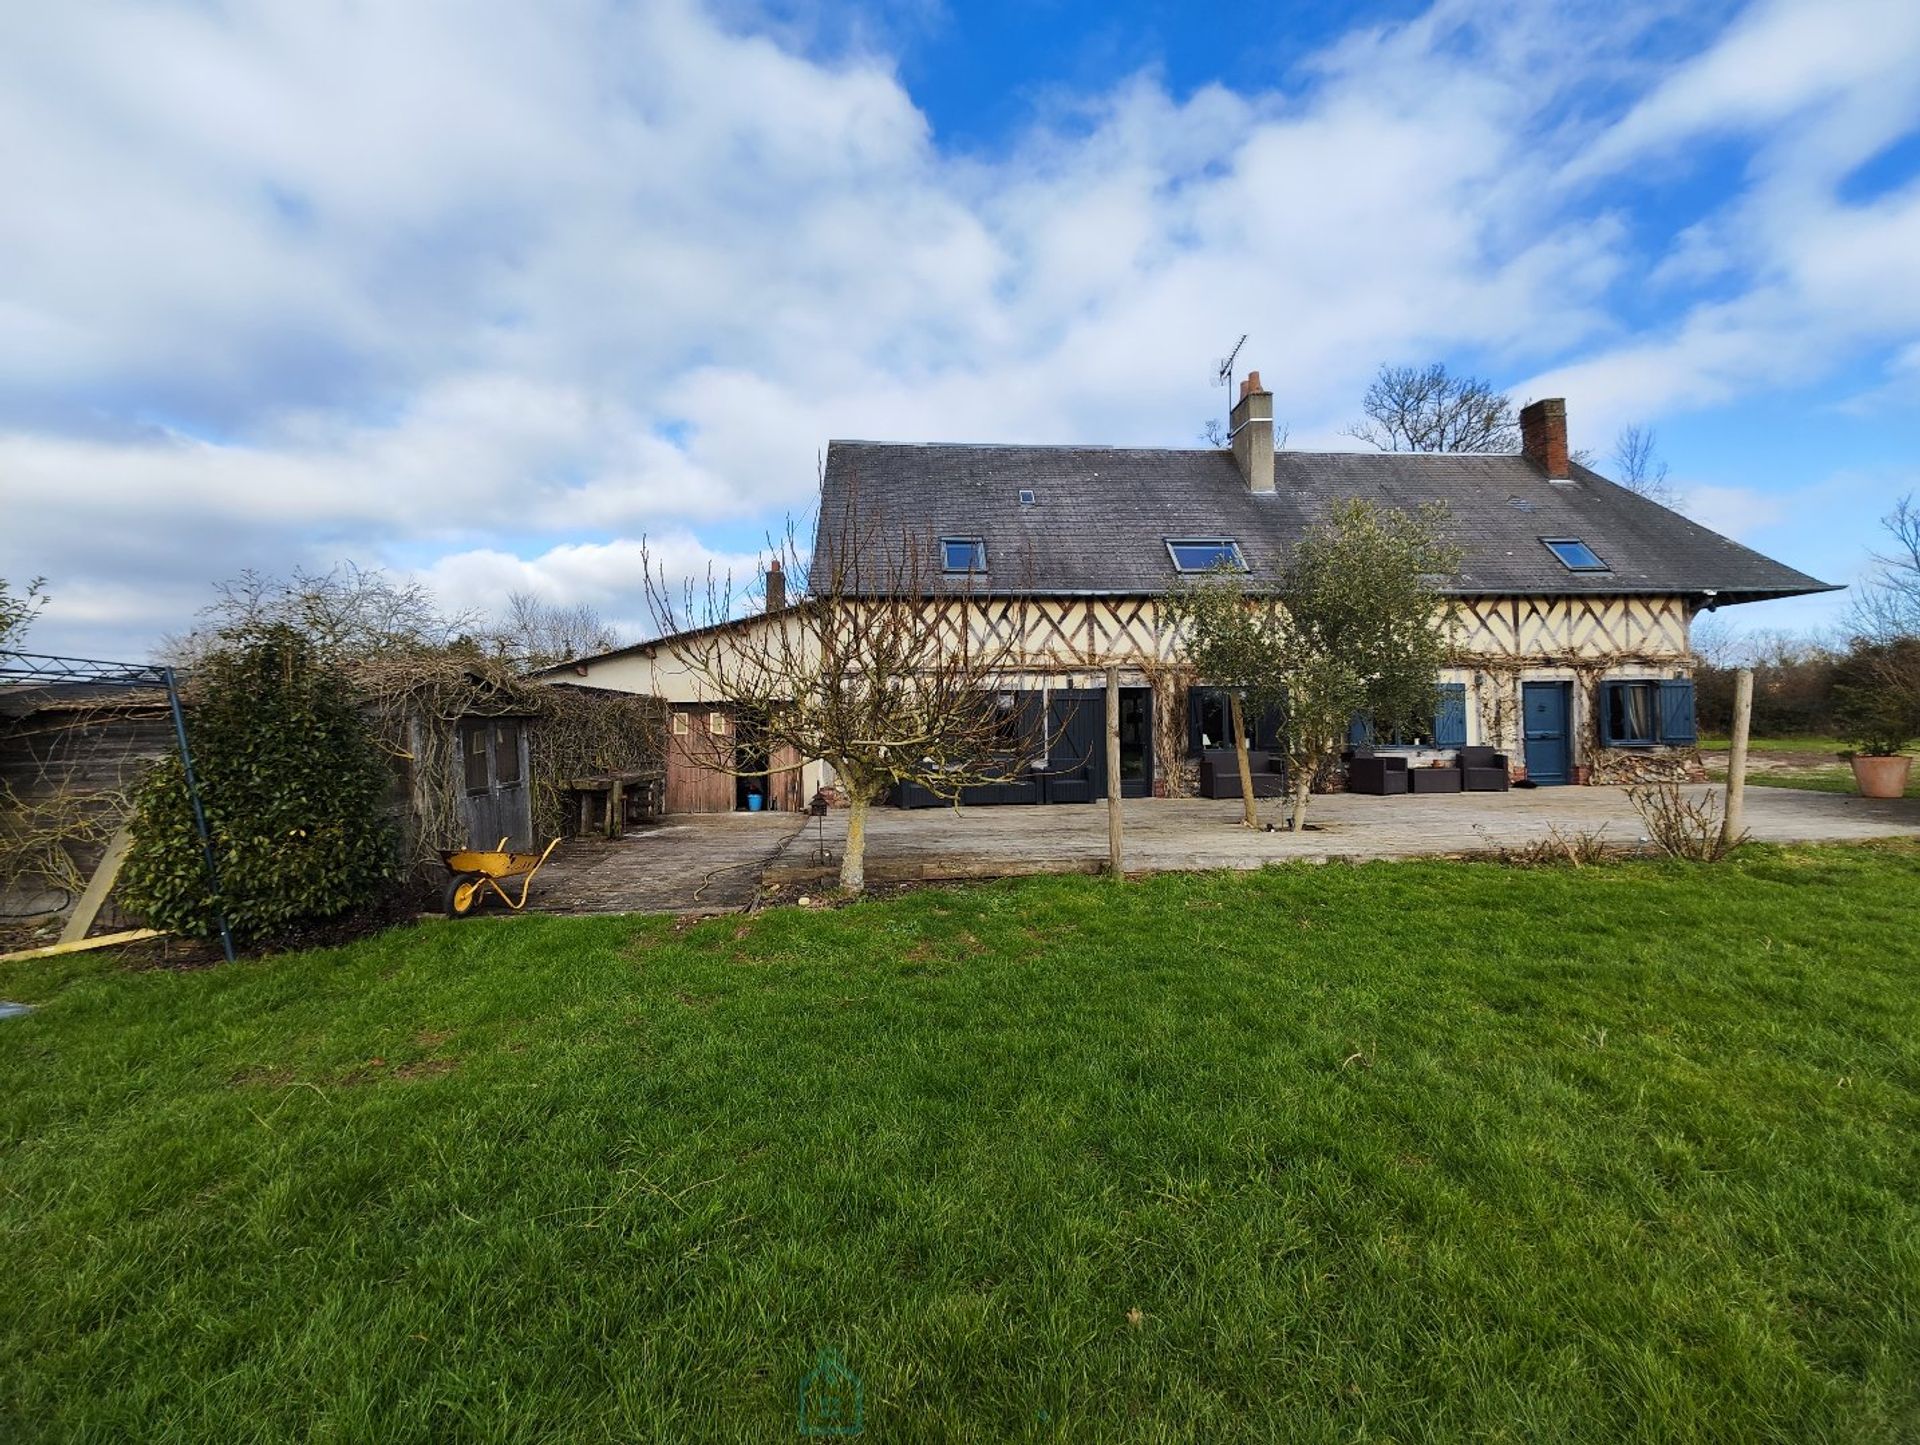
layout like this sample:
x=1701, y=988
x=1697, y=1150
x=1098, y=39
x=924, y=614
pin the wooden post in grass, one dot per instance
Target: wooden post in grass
x=1731, y=825
x=1113, y=773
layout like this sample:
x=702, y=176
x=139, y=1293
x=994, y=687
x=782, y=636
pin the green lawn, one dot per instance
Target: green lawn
x=1416, y=1151
x=1812, y=765
x=1828, y=746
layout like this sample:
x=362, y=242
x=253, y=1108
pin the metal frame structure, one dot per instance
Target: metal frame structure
x=49, y=668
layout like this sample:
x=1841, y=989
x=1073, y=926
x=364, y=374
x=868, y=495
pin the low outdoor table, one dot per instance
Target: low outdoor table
x=614, y=787
x=1433, y=780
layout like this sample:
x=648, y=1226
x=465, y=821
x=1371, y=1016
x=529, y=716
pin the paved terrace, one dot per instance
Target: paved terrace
x=714, y=862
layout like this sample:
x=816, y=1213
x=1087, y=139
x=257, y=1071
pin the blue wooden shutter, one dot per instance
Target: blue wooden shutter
x=1450, y=716
x=1676, y=712
x=1360, y=731
x=1607, y=691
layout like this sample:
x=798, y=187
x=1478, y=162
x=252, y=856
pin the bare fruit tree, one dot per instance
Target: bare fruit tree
x=1639, y=468
x=879, y=666
x=1428, y=409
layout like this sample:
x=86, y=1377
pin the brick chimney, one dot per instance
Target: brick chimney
x=1252, y=419
x=776, y=586
x=1543, y=437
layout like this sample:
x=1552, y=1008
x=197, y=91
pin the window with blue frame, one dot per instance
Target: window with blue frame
x=1210, y=723
x=1575, y=555
x=1645, y=713
x=1203, y=554
x=963, y=554
x=1444, y=727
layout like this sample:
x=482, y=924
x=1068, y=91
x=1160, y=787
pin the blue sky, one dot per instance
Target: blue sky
x=488, y=292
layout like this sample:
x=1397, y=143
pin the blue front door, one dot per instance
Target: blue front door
x=1544, y=713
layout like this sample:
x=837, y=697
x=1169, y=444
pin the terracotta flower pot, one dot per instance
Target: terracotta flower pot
x=1881, y=777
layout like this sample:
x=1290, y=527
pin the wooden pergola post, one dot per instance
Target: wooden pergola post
x=1114, y=865
x=1731, y=826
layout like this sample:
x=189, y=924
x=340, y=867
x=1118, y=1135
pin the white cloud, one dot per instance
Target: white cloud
x=503, y=283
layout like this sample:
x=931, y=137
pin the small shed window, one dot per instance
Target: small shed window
x=717, y=723
x=1203, y=554
x=506, y=752
x=1575, y=555
x=473, y=755
x=681, y=725
x=963, y=554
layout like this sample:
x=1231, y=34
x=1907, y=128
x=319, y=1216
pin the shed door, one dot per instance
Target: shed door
x=493, y=760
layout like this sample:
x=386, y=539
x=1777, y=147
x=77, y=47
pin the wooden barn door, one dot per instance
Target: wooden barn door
x=694, y=784
x=784, y=786
x=493, y=758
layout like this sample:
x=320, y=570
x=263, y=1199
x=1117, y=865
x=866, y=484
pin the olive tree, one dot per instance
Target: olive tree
x=1355, y=626
x=1367, y=629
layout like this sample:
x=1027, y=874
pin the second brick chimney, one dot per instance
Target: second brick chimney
x=776, y=586
x=1543, y=437
x=1252, y=435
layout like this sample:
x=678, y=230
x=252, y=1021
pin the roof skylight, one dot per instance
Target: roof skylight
x=1203, y=554
x=1575, y=555
x=963, y=554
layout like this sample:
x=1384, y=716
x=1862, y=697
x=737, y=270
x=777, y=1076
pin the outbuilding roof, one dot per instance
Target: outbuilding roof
x=1099, y=518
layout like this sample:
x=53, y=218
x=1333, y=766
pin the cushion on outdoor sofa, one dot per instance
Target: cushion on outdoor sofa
x=1377, y=775
x=1484, y=770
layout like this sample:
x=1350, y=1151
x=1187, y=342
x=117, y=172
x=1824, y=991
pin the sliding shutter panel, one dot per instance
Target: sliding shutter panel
x=1676, y=712
x=1450, y=716
x=1360, y=731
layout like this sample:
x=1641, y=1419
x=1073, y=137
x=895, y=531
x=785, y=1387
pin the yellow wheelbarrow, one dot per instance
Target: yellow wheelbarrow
x=477, y=872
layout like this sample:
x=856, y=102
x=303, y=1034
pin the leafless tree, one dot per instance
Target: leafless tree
x=1715, y=642
x=1639, y=468
x=1428, y=409
x=347, y=612
x=876, y=666
x=1215, y=433
x=539, y=633
x=1886, y=605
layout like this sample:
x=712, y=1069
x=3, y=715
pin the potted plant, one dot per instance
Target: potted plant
x=1877, y=703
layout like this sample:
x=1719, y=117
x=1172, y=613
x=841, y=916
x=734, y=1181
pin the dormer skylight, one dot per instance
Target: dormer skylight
x=1203, y=554
x=1027, y=497
x=1575, y=555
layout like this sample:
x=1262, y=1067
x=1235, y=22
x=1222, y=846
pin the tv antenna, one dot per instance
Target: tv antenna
x=1223, y=376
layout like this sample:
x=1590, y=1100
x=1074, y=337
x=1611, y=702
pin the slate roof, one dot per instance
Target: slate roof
x=1101, y=516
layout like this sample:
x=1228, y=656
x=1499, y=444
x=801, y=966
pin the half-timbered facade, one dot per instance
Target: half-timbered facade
x=1572, y=610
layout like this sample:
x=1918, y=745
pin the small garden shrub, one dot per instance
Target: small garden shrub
x=1682, y=826
x=295, y=790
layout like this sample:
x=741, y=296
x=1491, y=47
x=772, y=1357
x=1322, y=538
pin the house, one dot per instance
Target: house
x=1575, y=595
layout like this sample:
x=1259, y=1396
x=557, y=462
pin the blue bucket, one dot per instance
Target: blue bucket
x=754, y=802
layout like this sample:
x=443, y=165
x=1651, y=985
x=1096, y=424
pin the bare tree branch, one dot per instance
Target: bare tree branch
x=1427, y=409
x=1640, y=469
